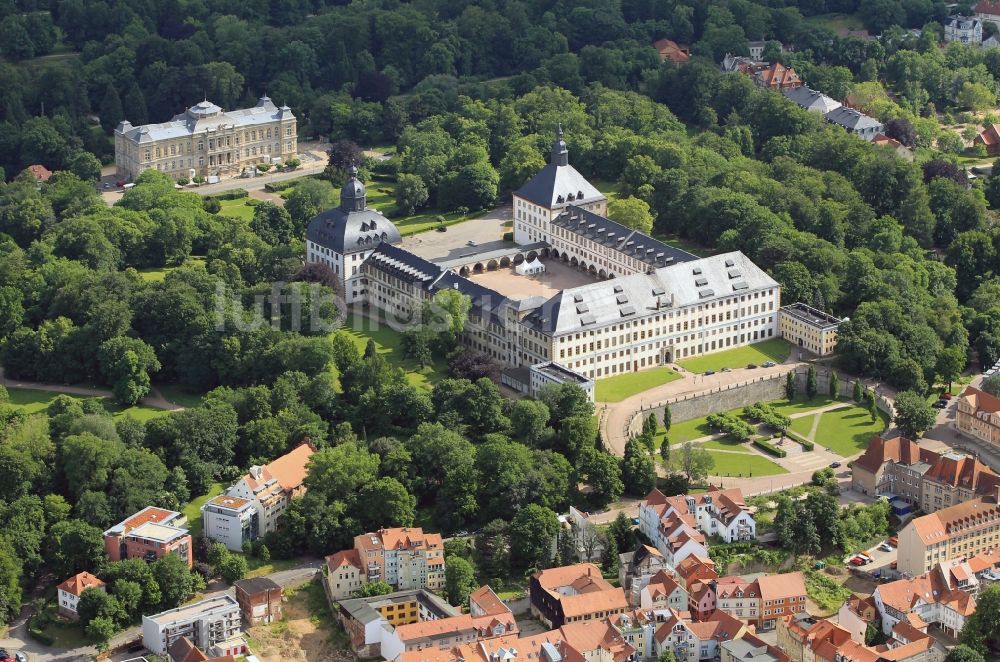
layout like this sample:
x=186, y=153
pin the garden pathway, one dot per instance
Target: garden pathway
x=155, y=399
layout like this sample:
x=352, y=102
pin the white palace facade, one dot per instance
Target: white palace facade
x=649, y=303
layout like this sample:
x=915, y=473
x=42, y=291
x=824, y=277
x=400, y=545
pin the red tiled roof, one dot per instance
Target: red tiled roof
x=40, y=172
x=988, y=7
x=78, y=583
x=344, y=557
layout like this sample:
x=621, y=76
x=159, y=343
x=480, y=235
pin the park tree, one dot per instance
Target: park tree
x=101, y=629
x=858, y=393
x=343, y=154
x=950, y=363
x=411, y=193
x=111, y=109
x=233, y=567
x=811, y=386
x=603, y=474
x=273, y=224
x=631, y=212
x=386, y=502
x=493, y=548
x=460, y=580
x=637, y=469
x=964, y=653
x=695, y=462
x=84, y=165
x=913, y=415
x=373, y=589
x=982, y=629
x=74, y=546
x=529, y=421
x=834, y=384
x=174, y=579
x=667, y=418
x=531, y=535
x=991, y=385
x=790, y=386
x=126, y=364
x=308, y=198
x=621, y=531
x=11, y=572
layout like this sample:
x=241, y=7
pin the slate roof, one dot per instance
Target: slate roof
x=600, y=304
x=810, y=99
x=205, y=116
x=850, y=119
x=558, y=183
x=351, y=227
x=623, y=239
x=404, y=265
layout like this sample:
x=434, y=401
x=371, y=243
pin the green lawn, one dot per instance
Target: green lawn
x=801, y=404
x=776, y=350
x=388, y=342
x=743, y=464
x=689, y=430
x=177, y=395
x=256, y=568
x=803, y=425
x=727, y=443
x=157, y=274
x=240, y=208
x=838, y=21
x=620, y=387
x=848, y=430
x=611, y=189
x=193, y=509
x=32, y=401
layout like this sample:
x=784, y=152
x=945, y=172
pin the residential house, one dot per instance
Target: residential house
x=856, y=122
x=749, y=649
x=857, y=615
x=990, y=137
x=149, y=534
x=261, y=496
x=343, y=574
x=962, y=530
x=988, y=10
x=259, y=599
x=701, y=600
x=742, y=64
x=756, y=49
x=692, y=641
x=964, y=30
x=900, y=469
x=777, y=76
x=738, y=596
x=638, y=627
x=446, y=633
x=993, y=41
x=780, y=595
x=636, y=568
x=678, y=525
x=811, y=100
x=807, y=639
x=184, y=650
x=405, y=557
x=695, y=569
x=979, y=412
x=663, y=592
x=924, y=600
x=901, y=150
x=206, y=623
x=670, y=51
x=68, y=593
x=573, y=593
x=370, y=621
x=40, y=173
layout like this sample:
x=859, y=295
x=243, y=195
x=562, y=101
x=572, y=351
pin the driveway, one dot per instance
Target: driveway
x=486, y=231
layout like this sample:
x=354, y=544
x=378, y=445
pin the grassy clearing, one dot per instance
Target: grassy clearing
x=775, y=349
x=620, y=387
x=389, y=344
x=157, y=274
x=838, y=21
x=827, y=594
x=192, y=511
x=31, y=401
x=257, y=568
x=727, y=444
x=743, y=464
x=177, y=395
x=804, y=424
x=241, y=208
x=801, y=404
x=848, y=430
x=689, y=430
x=686, y=245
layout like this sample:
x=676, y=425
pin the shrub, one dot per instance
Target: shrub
x=768, y=447
x=292, y=164
x=276, y=187
x=263, y=167
x=805, y=443
x=183, y=181
x=235, y=194
x=198, y=179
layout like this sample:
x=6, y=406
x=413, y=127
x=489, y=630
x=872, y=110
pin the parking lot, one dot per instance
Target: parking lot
x=881, y=559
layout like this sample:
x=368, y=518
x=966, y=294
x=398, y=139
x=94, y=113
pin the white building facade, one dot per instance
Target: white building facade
x=206, y=623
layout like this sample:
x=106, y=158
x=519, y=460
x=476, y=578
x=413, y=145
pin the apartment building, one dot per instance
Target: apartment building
x=808, y=639
x=962, y=530
x=780, y=595
x=809, y=328
x=405, y=557
x=695, y=569
x=343, y=574
x=250, y=509
x=857, y=615
x=737, y=596
x=573, y=593
x=900, y=469
x=206, y=623
x=979, y=415
x=370, y=621
x=205, y=140
x=663, y=592
x=964, y=29
x=692, y=641
x=635, y=570
x=149, y=534
x=678, y=525
x=259, y=599
x=68, y=593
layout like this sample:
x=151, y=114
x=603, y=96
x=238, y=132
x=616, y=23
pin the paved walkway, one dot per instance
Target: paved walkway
x=155, y=399
x=18, y=640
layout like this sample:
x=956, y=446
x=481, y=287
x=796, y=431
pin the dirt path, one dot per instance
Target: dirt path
x=155, y=399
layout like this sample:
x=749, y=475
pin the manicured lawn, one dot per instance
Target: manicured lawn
x=689, y=430
x=239, y=208
x=428, y=220
x=388, y=342
x=727, y=444
x=743, y=464
x=36, y=402
x=847, y=431
x=193, y=509
x=803, y=425
x=801, y=404
x=775, y=349
x=382, y=196
x=157, y=274
x=67, y=635
x=620, y=387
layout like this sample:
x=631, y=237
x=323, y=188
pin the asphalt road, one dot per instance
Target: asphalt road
x=18, y=639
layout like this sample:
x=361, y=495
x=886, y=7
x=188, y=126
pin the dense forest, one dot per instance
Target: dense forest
x=470, y=95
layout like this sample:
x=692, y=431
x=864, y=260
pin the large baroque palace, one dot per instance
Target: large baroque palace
x=644, y=303
x=207, y=141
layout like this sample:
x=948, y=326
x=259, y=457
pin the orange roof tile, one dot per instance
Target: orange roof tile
x=291, y=468
x=344, y=557
x=780, y=587
x=80, y=582
x=41, y=173
x=488, y=601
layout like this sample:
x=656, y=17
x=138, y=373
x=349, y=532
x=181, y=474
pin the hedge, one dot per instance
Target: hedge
x=275, y=187
x=768, y=447
x=38, y=635
x=801, y=441
x=235, y=194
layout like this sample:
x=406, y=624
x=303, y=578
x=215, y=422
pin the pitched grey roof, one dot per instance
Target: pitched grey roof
x=204, y=116
x=621, y=238
x=852, y=120
x=596, y=305
x=485, y=301
x=559, y=184
x=352, y=227
x=811, y=99
x=404, y=265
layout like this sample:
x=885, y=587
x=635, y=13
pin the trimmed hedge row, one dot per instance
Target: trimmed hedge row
x=768, y=447
x=801, y=441
x=235, y=194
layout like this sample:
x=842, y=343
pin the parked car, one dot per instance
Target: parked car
x=940, y=404
x=120, y=183
x=894, y=541
x=894, y=565
x=751, y=366
x=856, y=561
x=470, y=243
x=885, y=547
x=946, y=396
x=709, y=372
x=835, y=465
x=770, y=364
x=442, y=228
x=726, y=370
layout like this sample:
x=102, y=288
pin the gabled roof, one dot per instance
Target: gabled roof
x=780, y=587
x=670, y=50
x=80, y=582
x=40, y=172
x=291, y=468
x=981, y=400
x=851, y=119
x=810, y=99
x=988, y=7
x=938, y=526
x=488, y=601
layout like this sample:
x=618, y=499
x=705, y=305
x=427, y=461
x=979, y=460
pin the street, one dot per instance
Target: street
x=18, y=640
